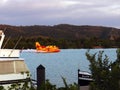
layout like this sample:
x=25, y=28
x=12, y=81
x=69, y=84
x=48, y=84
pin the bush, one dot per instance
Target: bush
x=106, y=74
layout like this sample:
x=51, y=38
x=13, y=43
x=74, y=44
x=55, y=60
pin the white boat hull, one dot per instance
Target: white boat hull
x=9, y=53
x=84, y=78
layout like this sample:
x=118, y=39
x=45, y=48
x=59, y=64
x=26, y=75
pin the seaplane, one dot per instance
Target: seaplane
x=46, y=49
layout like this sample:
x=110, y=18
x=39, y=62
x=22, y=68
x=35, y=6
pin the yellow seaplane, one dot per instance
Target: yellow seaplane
x=46, y=49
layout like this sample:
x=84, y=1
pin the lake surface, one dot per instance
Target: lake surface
x=63, y=64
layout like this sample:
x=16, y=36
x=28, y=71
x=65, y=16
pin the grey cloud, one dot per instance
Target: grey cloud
x=49, y=12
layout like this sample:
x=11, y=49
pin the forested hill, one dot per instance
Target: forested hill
x=61, y=31
x=62, y=35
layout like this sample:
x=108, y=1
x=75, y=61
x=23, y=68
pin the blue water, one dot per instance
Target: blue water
x=63, y=64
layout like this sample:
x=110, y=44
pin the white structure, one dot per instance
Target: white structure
x=7, y=52
x=1, y=37
x=13, y=69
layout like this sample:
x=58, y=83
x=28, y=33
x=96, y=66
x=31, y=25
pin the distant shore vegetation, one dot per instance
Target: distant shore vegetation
x=29, y=43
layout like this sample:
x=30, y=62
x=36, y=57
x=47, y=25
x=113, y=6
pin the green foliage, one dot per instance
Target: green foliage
x=73, y=86
x=2, y=88
x=50, y=86
x=47, y=86
x=26, y=43
x=106, y=74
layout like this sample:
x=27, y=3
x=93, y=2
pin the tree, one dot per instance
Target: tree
x=106, y=74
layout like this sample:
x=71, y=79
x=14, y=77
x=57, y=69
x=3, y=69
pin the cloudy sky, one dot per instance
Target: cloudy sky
x=53, y=12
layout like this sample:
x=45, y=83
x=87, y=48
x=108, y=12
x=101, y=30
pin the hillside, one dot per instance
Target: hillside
x=64, y=31
x=63, y=35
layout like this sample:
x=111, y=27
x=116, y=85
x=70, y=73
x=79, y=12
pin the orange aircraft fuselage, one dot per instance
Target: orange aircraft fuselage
x=47, y=49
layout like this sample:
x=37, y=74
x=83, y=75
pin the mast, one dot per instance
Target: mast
x=2, y=35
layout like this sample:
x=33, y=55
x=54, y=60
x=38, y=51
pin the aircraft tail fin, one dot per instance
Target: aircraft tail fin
x=37, y=44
